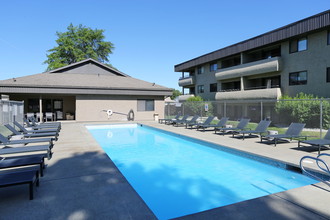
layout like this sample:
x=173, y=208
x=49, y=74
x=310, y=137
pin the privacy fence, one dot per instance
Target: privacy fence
x=315, y=113
x=10, y=111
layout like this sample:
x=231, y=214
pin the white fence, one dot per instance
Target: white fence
x=10, y=111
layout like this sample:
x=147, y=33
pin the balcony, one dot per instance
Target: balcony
x=183, y=98
x=248, y=69
x=241, y=95
x=187, y=81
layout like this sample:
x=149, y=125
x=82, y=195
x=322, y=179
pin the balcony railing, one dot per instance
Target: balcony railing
x=268, y=93
x=187, y=81
x=248, y=69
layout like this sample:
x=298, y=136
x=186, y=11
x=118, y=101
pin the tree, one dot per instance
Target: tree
x=175, y=93
x=76, y=44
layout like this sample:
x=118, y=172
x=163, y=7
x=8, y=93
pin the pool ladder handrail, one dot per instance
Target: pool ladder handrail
x=318, y=160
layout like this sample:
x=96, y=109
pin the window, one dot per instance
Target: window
x=214, y=87
x=200, y=70
x=298, y=78
x=213, y=67
x=145, y=105
x=328, y=74
x=298, y=45
x=200, y=88
x=328, y=38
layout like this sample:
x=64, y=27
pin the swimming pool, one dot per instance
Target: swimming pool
x=176, y=175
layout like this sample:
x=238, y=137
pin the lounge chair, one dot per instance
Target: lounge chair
x=13, y=178
x=31, y=130
x=31, y=135
x=165, y=120
x=293, y=131
x=192, y=121
x=318, y=142
x=23, y=162
x=207, y=121
x=183, y=120
x=27, y=149
x=33, y=124
x=222, y=123
x=260, y=129
x=240, y=126
x=7, y=142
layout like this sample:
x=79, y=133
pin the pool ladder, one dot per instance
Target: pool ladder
x=324, y=168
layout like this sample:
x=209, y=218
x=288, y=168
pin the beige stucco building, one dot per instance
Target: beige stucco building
x=291, y=59
x=86, y=91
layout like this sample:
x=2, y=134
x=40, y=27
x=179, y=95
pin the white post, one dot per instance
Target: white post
x=40, y=110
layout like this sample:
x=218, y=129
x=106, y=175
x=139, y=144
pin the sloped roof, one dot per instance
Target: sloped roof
x=64, y=82
x=87, y=61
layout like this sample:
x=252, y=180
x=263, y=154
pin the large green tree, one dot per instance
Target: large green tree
x=76, y=44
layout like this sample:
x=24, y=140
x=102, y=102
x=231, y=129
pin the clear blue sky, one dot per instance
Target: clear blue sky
x=150, y=36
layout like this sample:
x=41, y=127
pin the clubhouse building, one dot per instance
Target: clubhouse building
x=87, y=91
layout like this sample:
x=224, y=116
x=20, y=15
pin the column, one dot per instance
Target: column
x=242, y=83
x=40, y=109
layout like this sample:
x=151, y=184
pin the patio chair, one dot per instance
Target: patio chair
x=207, y=121
x=13, y=178
x=31, y=135
x=38, y=116
x=7, y=142
x=31, y=130
x=222, y=123
x=260, y=129
x=165, y=120
x=317, y=142
x=293, y=131
x=30, y=115
x=22, y=162
x=27, y=149
x=49, y=115
x=192, y=121
x=240, y=126
x=183, y=120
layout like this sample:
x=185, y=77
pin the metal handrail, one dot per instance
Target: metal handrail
x=318, y=160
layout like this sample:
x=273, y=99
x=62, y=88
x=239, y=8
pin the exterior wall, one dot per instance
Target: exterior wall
x=93, y=107
x=206, y=78
x=315, y=60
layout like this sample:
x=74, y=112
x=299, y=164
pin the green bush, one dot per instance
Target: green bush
x=196, y=106
x=304, y=108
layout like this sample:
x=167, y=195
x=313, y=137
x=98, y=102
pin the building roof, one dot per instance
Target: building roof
x=307, y=25
x=85, y=77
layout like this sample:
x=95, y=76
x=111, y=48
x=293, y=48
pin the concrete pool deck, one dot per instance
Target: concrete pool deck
x=81, y=182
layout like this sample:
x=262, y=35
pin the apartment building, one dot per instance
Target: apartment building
x=288, y=60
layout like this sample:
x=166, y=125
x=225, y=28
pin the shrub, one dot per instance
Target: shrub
x=304, y=108
x=196, y=106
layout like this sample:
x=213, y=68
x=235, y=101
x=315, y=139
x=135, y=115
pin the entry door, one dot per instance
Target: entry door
x=58, y=108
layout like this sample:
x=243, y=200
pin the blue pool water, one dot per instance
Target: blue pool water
x=176, y=176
